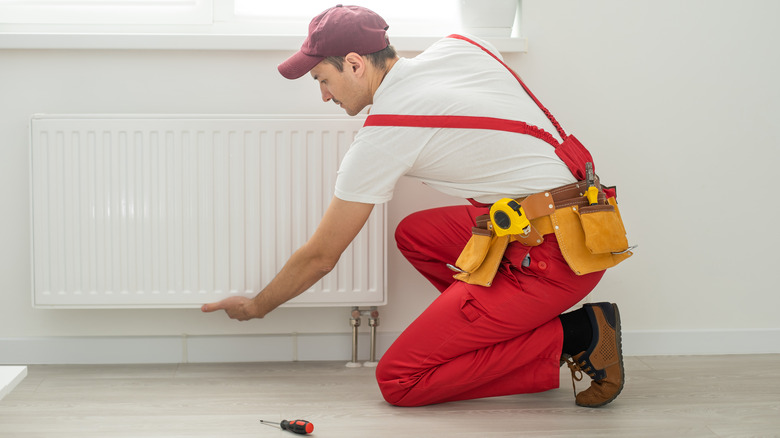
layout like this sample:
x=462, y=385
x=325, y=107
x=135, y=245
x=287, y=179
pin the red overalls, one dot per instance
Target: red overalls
x=475, y=341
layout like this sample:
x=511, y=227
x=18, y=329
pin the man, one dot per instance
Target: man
x=472, y=341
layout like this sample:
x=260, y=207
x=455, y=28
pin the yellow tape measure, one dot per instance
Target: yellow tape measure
x=508, y=217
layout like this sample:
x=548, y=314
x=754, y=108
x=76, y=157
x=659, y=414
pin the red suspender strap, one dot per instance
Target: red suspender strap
x=527, y=90
x=462, y=122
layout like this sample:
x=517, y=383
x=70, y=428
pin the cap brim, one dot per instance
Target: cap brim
x=298, y=65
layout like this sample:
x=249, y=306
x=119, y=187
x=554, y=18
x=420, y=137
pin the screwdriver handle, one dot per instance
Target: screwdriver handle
x=302, y=427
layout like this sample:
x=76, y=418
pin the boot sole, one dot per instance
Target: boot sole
x=618, y=338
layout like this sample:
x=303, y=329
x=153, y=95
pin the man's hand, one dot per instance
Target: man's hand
x=240, y=308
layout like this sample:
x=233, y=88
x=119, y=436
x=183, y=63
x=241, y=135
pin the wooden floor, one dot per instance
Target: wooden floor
x=691, y=396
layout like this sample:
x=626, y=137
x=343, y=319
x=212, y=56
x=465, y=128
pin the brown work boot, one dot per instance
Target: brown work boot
x=603, y=360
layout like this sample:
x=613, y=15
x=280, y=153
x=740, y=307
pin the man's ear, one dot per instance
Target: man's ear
x=355, y=63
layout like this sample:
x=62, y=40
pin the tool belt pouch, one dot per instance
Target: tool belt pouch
x=480, y=258
x=591, y=237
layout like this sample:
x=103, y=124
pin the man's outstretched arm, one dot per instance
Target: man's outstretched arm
x=342, y=221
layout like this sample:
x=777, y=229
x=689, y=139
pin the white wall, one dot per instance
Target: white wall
x=680, y=102
x=677, y=101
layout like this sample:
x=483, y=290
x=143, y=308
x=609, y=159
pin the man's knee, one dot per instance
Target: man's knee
x=405, y=231
x=389, y=380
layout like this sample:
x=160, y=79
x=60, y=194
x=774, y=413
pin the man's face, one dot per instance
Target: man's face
x=345, y=88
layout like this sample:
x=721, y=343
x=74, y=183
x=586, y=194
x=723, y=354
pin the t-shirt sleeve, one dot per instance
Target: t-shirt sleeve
x=373, y=164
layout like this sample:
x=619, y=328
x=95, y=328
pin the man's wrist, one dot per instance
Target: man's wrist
x=257, y=306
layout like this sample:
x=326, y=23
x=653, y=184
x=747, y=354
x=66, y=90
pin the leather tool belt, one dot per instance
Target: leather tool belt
x=591, y=237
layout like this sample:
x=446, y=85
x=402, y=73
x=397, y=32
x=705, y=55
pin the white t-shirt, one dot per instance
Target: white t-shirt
x=452, y=77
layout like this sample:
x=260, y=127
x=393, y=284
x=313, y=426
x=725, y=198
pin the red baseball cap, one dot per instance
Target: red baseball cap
x=337, y=32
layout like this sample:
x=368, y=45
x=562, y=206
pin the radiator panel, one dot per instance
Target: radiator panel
x=175, y=211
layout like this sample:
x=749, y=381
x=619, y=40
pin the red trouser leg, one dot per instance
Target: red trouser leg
x=430, y=243
x=475, y=341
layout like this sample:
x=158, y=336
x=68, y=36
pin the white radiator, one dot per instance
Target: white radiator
x=176, y=211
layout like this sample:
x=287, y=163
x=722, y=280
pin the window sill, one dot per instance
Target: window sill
x=199, y=41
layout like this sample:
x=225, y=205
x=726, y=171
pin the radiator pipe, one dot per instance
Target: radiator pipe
x=354, y=322
x=373, y=322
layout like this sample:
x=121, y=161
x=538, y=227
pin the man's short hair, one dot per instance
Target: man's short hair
x=377, y=59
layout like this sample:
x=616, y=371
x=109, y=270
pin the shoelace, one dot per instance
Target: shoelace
x=577, y=370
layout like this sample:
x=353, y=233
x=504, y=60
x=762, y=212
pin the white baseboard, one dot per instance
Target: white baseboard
x=700, y=342
x=187, y=349
x=329, y=347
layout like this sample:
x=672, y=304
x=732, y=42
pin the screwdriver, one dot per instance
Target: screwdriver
x=302, y=427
